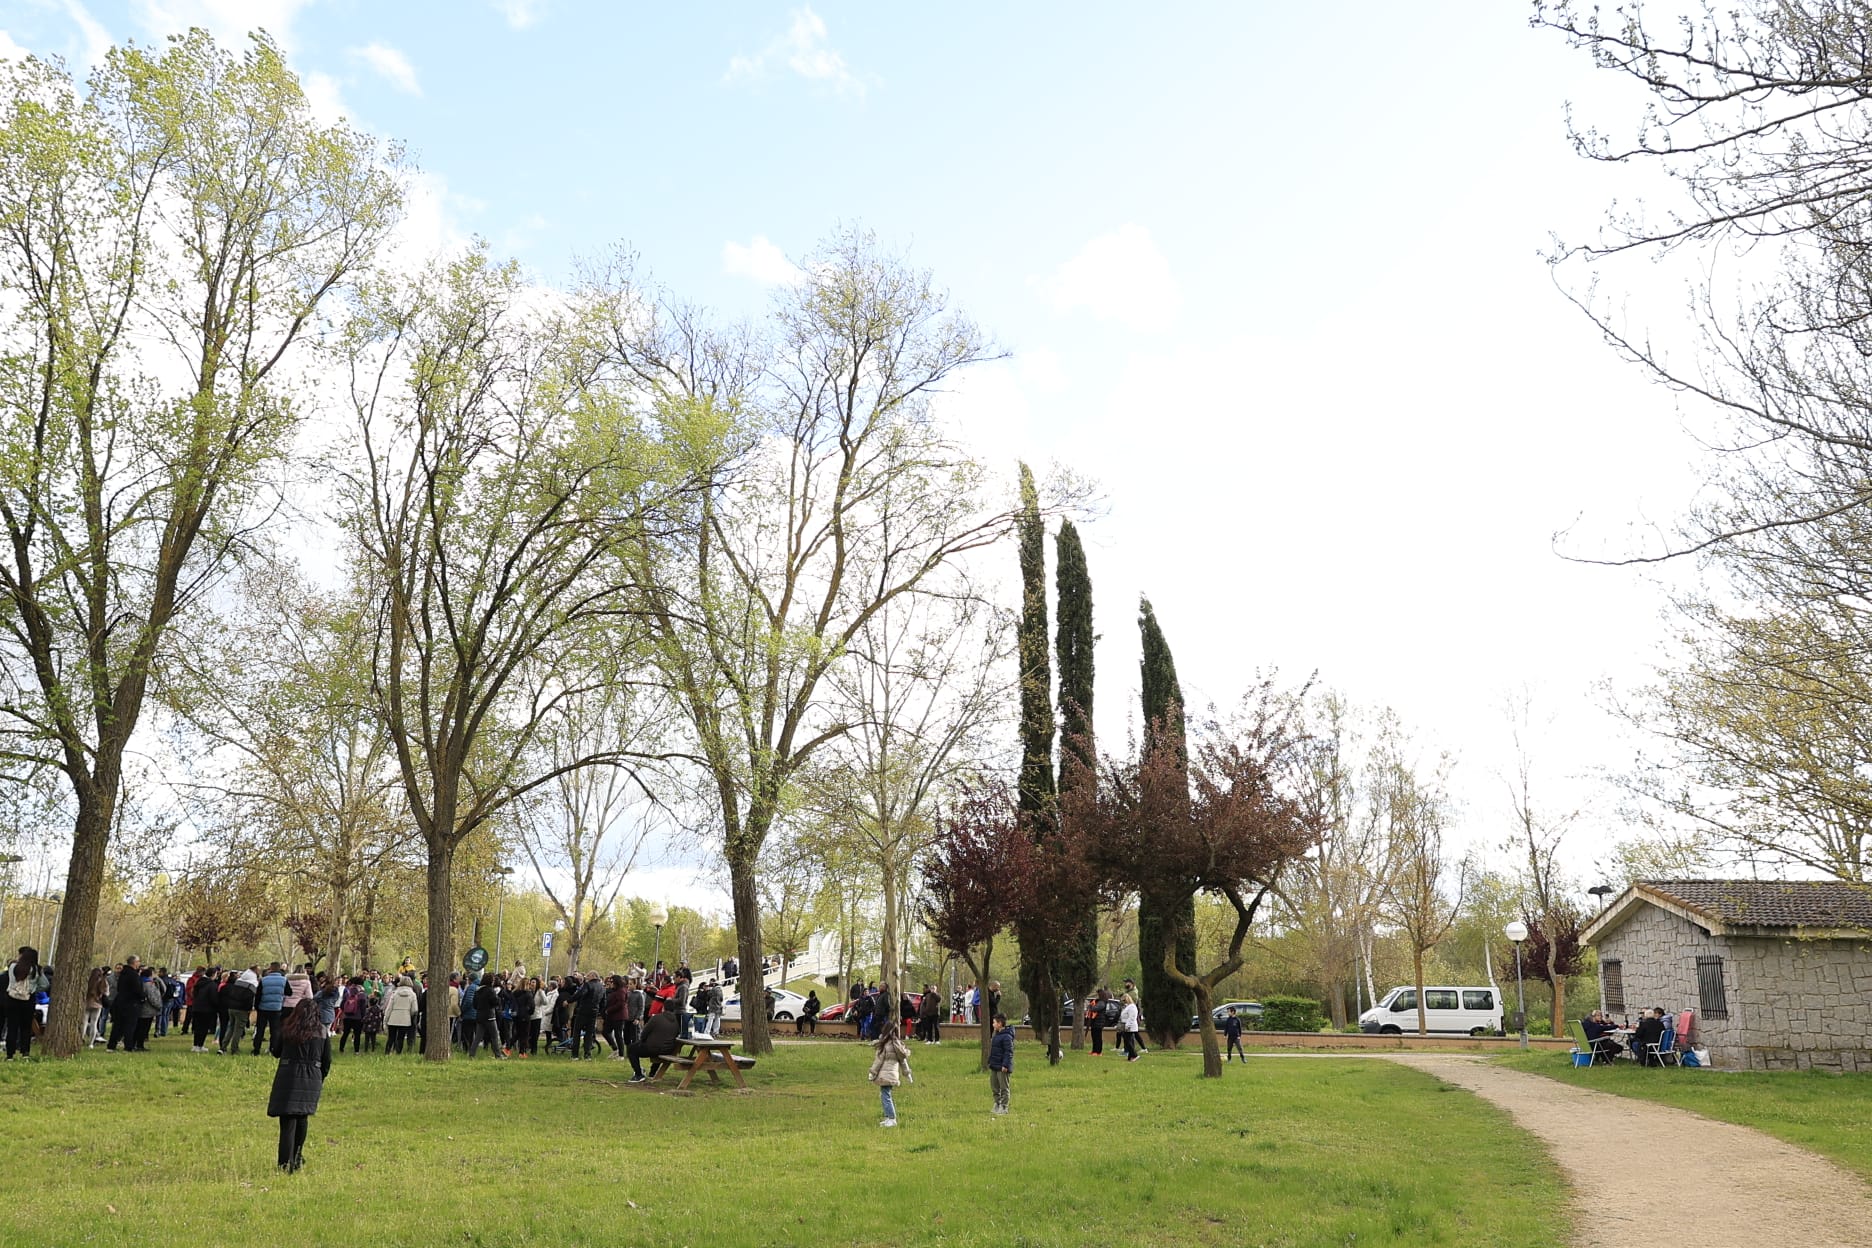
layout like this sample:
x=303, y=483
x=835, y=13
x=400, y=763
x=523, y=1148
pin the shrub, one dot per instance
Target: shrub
x=1291, y=1014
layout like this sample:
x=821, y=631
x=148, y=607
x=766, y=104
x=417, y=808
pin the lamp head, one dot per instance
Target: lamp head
x=659, y=915
x=1516, y=931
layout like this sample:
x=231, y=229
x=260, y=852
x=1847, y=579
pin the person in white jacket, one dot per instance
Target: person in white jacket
x=399, y=1008
x=890, y=1067
x=1128, y=1027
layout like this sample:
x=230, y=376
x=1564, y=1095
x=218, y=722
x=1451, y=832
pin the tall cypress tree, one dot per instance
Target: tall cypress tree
x=1167, y=1004
x=1072, y=645
x=1036, y=673
x=1038, y=800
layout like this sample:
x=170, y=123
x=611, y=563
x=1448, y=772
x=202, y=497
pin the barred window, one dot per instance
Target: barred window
x=1711, y=1000
x=1614, y=986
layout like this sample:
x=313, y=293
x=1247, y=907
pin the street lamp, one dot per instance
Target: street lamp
x=659, y=915
x=499, y=909
x=1517, y=932
x=1599, y=892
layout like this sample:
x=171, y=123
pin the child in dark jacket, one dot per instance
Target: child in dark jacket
x=1001, y=1062
x=1232, y=1028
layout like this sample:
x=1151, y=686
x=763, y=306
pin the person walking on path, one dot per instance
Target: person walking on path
x=1000, y=1062
x=269, y=1003
x=890, y=1067
x=304, y=1053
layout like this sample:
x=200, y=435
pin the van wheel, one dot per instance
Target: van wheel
x=1478, y=1032
x=1390, y=1031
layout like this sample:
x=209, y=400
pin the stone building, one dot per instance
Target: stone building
x=1779, y=972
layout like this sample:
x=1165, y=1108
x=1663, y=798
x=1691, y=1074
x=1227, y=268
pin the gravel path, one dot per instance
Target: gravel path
x=1644, y=1173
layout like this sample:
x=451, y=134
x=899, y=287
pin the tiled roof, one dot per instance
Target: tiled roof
x=1772, y=903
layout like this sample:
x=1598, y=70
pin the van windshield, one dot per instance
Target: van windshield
x=1404, y=999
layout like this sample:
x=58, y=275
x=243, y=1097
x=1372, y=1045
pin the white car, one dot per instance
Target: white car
x=786, y=1006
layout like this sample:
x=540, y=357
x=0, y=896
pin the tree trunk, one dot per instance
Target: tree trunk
x=84, y=881
x=1559, y=1006
x=890, y=958
x=755, y=1036
x=1337, y=1005
x=441, y=955
x=984, y=1022
x=1205, y=1013
x=1423, y=1019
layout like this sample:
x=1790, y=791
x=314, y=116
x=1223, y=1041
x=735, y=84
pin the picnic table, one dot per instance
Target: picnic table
x=713, y=1056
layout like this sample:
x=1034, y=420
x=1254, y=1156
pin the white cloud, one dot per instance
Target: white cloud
x=761, y=261
x=804, y=50
x=1119, y=277
x=324, y=96
x=521, y=14
x=97, y=40
x=9, y=50
x=229, y=21
x=389, y=64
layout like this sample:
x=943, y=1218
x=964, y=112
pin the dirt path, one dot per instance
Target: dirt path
x=1713, y=1184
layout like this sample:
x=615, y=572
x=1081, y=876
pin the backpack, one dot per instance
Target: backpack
x=1109, y=1013
x=21, y=989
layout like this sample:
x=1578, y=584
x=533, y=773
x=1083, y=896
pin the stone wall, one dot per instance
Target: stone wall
x=1793, y=1004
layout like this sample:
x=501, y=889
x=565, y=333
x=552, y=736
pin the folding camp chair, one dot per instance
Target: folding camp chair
x=1665, y=1050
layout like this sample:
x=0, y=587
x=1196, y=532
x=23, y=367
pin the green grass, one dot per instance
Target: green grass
x=106, y=1149
x=1830, y=1114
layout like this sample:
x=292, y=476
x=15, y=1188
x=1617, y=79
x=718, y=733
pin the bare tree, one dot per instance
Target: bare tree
x=167, y=242
x=1539, y=832
x=1417, y=893
x=847, y=497
x=590, y=826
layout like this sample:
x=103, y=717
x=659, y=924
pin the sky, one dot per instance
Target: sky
x=1271, y=275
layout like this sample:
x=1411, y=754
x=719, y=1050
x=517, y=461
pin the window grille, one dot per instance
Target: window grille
x=1711, y=1000
x=1614, y=986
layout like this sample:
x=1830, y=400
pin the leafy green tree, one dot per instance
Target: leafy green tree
x=166, y=242
x=1166, y=917
x=1073, y=646
x=501, y=494
x=1038, y=798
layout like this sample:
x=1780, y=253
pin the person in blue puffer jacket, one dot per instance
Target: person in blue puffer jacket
x=1001, y=1062
x=269, y=1004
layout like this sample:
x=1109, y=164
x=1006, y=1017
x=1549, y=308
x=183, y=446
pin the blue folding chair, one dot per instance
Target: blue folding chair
x=1665, y=1050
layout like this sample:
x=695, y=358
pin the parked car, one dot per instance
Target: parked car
x=1244, y=1010
x=1474, y=1010
x=1067, y=1007
x=786, y=1006
x=837, y=1011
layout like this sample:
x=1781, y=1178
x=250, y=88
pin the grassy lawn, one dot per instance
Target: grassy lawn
x=1830, y=1114
x=110, y=1149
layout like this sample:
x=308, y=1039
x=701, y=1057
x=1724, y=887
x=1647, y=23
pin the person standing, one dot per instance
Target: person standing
x=237, y=998
x=890, y=1066
x=329, y=995
x=149, y=1010
x=25, y=979
x=1095, y=1022
x=487, y=1006
x=1128, y=1027
x=126, y=1003
x=269, y=1002
x=929, y=1015
x=1232, y=1028
x=97, y=989
x=304, y=1053
x=1001, y=1062
x=400, y=1015
x=204, y=1011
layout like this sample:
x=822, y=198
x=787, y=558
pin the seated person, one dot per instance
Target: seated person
x=1650, y=1032
x=659, y=1037
x=1599, y=1035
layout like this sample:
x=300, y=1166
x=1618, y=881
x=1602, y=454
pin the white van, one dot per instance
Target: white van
x=1462, y=1011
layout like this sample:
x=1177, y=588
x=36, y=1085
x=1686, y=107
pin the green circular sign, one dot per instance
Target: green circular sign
x=474, y=959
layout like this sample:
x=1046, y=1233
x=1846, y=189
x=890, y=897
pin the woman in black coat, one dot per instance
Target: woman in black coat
x=304, y=1053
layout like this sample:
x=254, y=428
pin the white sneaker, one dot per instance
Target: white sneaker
x=888, y=1122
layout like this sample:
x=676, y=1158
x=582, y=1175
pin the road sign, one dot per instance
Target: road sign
x=474, y=959
x=546, y=944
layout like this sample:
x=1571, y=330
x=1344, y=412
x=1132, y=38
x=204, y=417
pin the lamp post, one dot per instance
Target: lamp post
x=1599, y=892
x=1517, y=932
x=659, y=915
x=500, y=908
